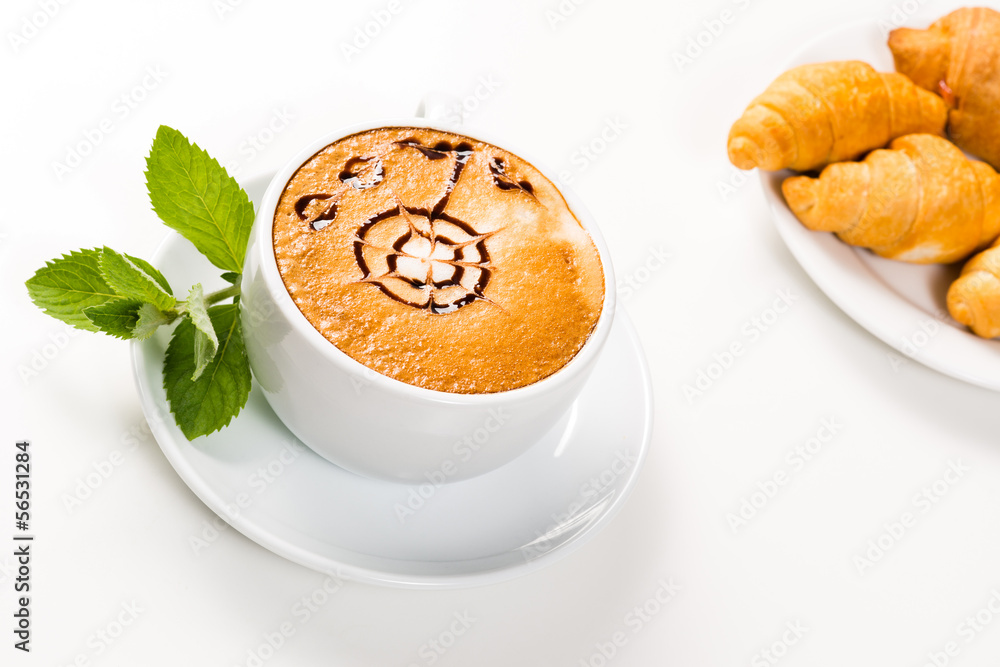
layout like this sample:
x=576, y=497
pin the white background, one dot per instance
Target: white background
x=225, y=74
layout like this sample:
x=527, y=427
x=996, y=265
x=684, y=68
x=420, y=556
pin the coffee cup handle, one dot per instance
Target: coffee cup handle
x=440, y=107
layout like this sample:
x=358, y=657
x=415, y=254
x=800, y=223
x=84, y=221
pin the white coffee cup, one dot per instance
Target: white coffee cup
x=374, y=425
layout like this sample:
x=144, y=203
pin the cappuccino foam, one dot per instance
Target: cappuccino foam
x=438, y=260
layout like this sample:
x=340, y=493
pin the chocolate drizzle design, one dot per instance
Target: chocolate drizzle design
x=323, y=214
x=505, y=182
x=435, y=262
x=362, y=173
x=426, y=259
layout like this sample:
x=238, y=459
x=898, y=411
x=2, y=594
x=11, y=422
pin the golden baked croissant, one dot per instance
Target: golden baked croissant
x=959, y=57
x=974, y=299
x=813, y=115
x=920, y=201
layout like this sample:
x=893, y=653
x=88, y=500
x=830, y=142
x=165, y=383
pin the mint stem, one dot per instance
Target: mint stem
x=222, y=294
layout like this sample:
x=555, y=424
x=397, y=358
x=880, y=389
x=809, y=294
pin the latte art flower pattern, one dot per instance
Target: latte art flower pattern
x=425, y=259
x=440, y=264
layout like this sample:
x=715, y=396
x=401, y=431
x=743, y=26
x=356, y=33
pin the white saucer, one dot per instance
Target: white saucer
x=508, y=522
x=902, y=304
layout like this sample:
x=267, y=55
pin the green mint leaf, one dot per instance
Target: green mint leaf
x=127, y=279
x=193, y=194
x=64, y=287
x=152, y=272
x=206, y=343
x=207, y=404
x=150, y=318
x=232, y=278
x=116, y=317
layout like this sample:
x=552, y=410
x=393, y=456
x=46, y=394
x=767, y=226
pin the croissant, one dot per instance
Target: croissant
x=919, y=201
x=974, y=299
x=959, y=57
x=813, y=115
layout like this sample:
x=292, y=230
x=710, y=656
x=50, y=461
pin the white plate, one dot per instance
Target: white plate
x=902, y=304
x=493, y=527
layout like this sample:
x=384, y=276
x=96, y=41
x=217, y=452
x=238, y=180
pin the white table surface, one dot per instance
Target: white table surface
x=222, y=78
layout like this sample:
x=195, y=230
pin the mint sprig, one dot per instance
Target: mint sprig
x=150, y=319
x=193, y=194
x=115, y=317
x=205, y=404
x=206, y=373
x=67, y=286
x=206, y=341
x=127, y=279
